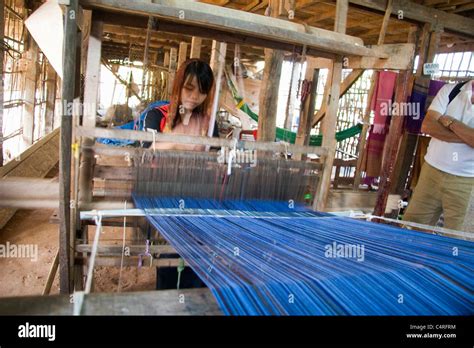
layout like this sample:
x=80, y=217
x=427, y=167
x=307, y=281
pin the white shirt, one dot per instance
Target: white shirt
x=453, y=158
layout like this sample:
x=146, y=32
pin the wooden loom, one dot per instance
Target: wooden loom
x=99, y=166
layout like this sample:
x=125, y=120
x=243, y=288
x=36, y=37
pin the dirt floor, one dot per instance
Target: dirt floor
x=21, y=276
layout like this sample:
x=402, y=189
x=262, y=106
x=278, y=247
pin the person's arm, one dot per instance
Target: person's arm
x=463, y=131
x=152, y=121
x=432, y=127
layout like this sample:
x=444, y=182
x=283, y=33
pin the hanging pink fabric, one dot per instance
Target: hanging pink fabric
x=381, y=104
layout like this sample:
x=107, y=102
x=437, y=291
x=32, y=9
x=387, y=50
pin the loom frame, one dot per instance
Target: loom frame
x=132, y=13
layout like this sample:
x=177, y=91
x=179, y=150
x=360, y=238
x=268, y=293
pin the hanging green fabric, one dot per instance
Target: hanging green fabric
x=285, y=134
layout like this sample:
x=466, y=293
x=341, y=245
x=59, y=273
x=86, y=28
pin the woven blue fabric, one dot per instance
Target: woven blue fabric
x=281, y=266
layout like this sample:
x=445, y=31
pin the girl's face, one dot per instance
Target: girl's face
x=191, y=96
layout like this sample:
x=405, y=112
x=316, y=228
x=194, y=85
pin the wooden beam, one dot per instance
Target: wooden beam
x=304, y=126
x=196, y=44
x=218, y=54
x=225, y=20
x=91, y=90
x=197, y=302
x=172, y=69
x=193, y=140
x=183, y=52
x=2, y=83
x=342, y=7
x=68, y=94
x=268, y=97
x=329, y=139
x=35, y=162
x=392, y=144
x=423, y=14
x=31, y=76
x=400, y=58
x=50, y=84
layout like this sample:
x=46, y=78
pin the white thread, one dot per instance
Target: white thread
x=123, y=248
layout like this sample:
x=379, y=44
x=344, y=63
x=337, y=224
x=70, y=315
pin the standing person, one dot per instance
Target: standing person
x=447, y=176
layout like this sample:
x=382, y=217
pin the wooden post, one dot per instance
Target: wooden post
x=91, y=90
x=196, y=44
x=268, y=99
x=366, y=119
x=166, y=59
x=342, y=7
x=217, y=64
x=50, y=98
x=145, y=71
x=307, y=112
x=2, y=84
x=290, y=102
x=392, y=144
x=183, y=52
x=329, y=137
x=172, y=68
x=330, y=121
x=31, y=75
x=68, y=93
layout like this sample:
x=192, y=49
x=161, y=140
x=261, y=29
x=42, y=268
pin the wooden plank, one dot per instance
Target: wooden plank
x=164, y=302
x=219, y=51
x=183, y=51
x=2, y=83
x=68, y=93
x=51, y=275
x=329, y=139
x=35, y=162
x=343, y=200
x=50, y=84
x=423, y=14
x=31, y=75
x=304, y=126
x=342, y=6
x=91, y=89
x=114, y=173
x=92, y=76
x=116, y=250
x=27, y=188
x=239, y=22
x=401, y=57
x=173, y=58
x=268, y=96
x=196, y=44
x=194, y=140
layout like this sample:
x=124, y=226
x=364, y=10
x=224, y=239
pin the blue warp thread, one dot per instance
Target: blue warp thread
x=280, y=266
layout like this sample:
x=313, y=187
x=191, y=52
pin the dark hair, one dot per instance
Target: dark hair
x=205, y=80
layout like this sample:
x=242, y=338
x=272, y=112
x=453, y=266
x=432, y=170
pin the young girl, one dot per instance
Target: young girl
x=187, y=113
x=190, y=106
